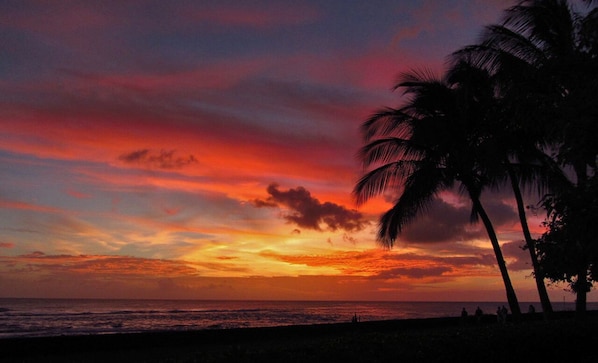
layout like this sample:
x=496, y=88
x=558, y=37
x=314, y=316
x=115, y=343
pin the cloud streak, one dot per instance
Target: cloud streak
x=163, y=159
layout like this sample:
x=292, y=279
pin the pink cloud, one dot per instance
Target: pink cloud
x=215, y=76
x=103, y=133
x=77, y=194
x=15, y=204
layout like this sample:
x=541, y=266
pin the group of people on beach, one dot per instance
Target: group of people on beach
x=501, y=314
x=478, y=314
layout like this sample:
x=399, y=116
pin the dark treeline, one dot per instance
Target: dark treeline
x=517, y=110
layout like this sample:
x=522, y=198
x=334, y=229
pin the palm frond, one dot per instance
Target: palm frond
x=416, y=77
x=376, y=181
x=386, y=122
x=538, y=173
x=550, y=23
x=419, y=190
x=391, y=149
x=505, y=40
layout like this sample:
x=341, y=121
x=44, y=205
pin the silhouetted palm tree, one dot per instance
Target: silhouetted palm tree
x=544, y=56
x=430, y=144
x=518, y=146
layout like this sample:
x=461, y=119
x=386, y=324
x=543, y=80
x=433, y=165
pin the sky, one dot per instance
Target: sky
x=207, y=150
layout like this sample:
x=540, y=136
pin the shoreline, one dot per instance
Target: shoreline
x=400, y=338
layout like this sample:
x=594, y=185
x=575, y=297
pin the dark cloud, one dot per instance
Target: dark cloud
x=444, y=222
x=519, y=258
x=163, y=159
x=308, y=212
x=349, y=239
x=500, y=212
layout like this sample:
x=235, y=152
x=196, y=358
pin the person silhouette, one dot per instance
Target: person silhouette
x=531, y=309
x=464, y=315
x=504, y=312
x=478, y=314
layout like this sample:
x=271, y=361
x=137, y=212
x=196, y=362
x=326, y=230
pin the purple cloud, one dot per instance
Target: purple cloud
x=444, y=222
x=157, y=160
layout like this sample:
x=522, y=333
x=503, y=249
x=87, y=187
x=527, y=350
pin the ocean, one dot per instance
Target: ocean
x=54, y=317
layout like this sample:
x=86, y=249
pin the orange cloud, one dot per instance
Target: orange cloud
x=378, y=264
x=14, y=204
x=89, y=265
x=124, y=276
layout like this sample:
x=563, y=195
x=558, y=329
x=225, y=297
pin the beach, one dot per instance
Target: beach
x=563, y=338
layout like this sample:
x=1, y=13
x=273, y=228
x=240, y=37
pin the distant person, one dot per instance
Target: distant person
x=500, y=315
x=531, y=309
x=464, y=315
x=478, y=314
x=504, y=312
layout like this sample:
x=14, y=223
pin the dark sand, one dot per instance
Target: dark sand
x=564, y=339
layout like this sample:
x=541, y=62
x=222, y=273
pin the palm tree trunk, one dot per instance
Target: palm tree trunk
x=511, y=296
x=531, y=246
x=581, y=285
x=581, y=292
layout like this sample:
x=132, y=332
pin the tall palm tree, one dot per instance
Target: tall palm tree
x=544, y=56
x=517, y=148
x=430, y=144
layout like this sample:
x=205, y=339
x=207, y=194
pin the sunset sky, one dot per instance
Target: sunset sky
x=207, y=150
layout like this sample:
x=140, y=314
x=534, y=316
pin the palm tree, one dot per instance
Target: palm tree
x=429, y=145
x=544, y=56
x=516, y=148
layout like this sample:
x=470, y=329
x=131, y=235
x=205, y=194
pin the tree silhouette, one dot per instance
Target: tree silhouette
x=567, y=250
x=544, y=57
x=431, y=144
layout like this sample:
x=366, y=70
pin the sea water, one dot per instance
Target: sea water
x=52, y=317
